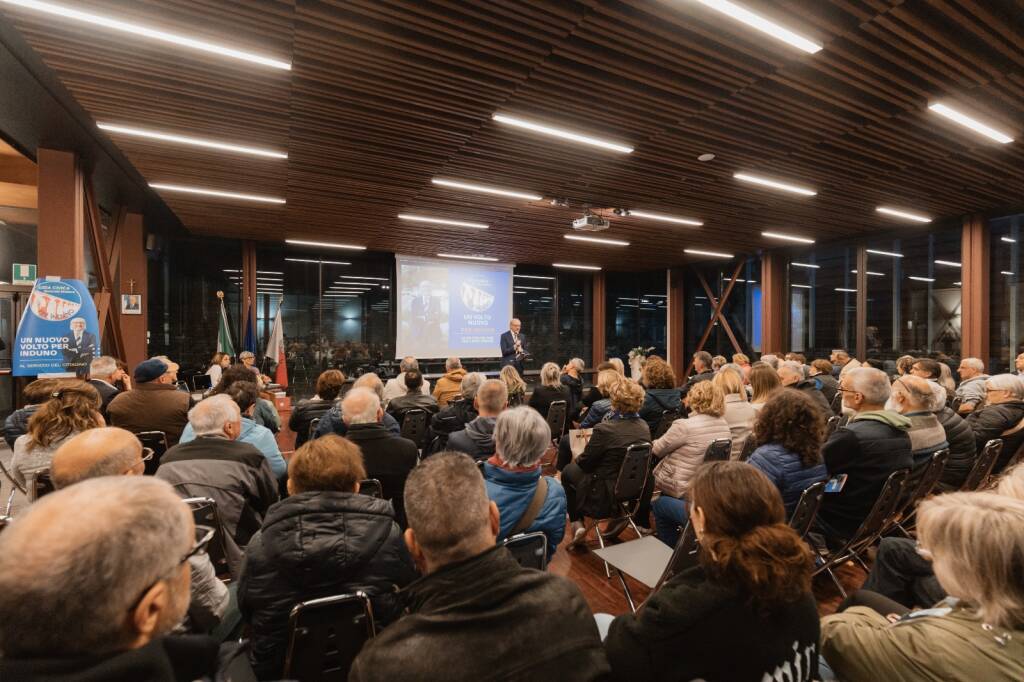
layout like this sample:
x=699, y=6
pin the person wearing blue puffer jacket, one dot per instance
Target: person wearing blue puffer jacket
x=788, y=435
x=526, y=500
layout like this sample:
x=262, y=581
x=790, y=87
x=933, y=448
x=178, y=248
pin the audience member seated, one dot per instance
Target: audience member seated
x=245, y=394
x=702, y=372
x=93, y=579
x=788, y=435
x=971, y=390
x=460, y=412
x=515, y=385
x=217, y=465
x=739, y=413
x=589, y=481
x=551, y=389
x=396, y=386
x=103, y=374
x=592, y=395
x=35, y=394
x=332, y=421
x=324, y=539
x=387, y=457
x=572, y=378
x=477, y=439
x=153, y=404
x=770, y=359
x=821, y=374
x=791, y=375
x=960, y=438
x=328, y=386
x=912, y=397
x=527, y=501
x=413, y=399
x=718, y=362
x=842, y=362
x=73, y=407
x=1002, y=413
x=680, y=452
x=975, y=542
x=743, y=362
x=746, y=612
x=448, y=387
x=110, y=451
x=264, y=414
x=599, y=409
x=873, y=445
x=474, y=595
x=218, y=363
x=763, y=382
x=929, y=369
x=660, y=392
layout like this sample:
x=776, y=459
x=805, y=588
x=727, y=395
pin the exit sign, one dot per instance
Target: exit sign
x=23, y=273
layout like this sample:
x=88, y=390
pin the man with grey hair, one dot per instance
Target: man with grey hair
x=103, y=372
x=791, y=374
x=333, y=422
x=396, y=386
x=1001, y=416
x=477, y=439
x=217, y=465
x=92, y=580
x=860, y=456
x=528, y=501
x=458, y=413
x=474, y=594
x=386, y=457
x=572, y=376
x=971, y=390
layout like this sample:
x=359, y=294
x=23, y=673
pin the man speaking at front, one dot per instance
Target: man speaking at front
x=513, y=346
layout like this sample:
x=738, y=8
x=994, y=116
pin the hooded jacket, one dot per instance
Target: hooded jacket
x=786, y=470
x=991, y=421
x=257, y=436
x=961, y=448
x=868, y=449
x=317, y=544
x=449, y=386
x=476, y=440
x=681, y=450
x=513, y=490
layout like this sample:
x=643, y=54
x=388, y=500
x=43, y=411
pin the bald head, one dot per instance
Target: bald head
x=912, y=394
x=361, y=406
x=107, y=451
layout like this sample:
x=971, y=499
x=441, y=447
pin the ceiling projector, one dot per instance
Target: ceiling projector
x=590, y=223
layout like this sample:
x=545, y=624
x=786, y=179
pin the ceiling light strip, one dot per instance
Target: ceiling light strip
x=787, y=237
x=326, y=245
x=456, y=255
x=774, y=184
x=215, y=193
x=896, y=213
x=486, y=189
x=664, y=218
x=440, y=221
x=311, y=260
x=194, y=141
x=968, y=122
x=884, y=253
x=756, y=21
x=561, y=133
x=712, y=254
x=596, y=240
x=573, y=266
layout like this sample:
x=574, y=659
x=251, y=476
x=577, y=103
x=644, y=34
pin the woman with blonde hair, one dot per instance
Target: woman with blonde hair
x=975, y=542
x=515, y=385
x=218, y=363
x=763, y=382
x=73, y=407
x=606, y=378
x=681, y=451
x=550, y=390
x=739, y=413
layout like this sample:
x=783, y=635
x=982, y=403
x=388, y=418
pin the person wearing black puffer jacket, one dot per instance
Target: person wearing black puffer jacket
x=962, y=452
x=1000, y=417
x=325, y=539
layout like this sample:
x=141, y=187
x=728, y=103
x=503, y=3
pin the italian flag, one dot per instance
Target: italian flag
x=275, y=350
x=224, y=344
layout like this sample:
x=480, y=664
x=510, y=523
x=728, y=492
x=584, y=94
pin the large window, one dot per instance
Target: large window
x=636, y=311
x=704, y=284
x=822, y=301
x=1006, y=306
x=555, y=308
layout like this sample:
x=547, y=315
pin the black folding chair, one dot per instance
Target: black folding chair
x=325, y=635
x=983, y=465
x=807, y=508
x=628, y=491
x=837, y=402
x=201, y=383
x=313, y=424
x=718, y=450
x=41, y=484
x=204, y=513
x=955, y=404
x=529, y=549
x=665, y=423
x=832, y=424
x=4, y=522
x=929, y=479
x=683, y=557
x=371, y=487
x=414, y=426
x=157, y=442
x=749, y=445
x=557, y=412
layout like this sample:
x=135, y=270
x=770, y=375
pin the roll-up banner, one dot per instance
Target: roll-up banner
x=59, y=332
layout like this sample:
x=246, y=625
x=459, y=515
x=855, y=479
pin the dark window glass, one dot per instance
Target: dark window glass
x=822, y=301
x=636, y=312
x=742, y=310
x=555, y=308
x=1006, y=305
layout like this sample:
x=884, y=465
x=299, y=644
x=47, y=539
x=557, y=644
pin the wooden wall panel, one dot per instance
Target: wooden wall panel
x=774, y=303
x=598, y=317
x=676, y=320
x=133, y=279
x=975, y=289
x=61, y=230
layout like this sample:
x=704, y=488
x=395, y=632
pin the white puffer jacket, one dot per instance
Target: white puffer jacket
x=681, y=451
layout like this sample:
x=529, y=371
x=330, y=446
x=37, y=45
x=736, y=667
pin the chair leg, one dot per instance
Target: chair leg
x=600, y=541
x=836, y=581
x=862, y=564
x=10, y=503
x=625, y=590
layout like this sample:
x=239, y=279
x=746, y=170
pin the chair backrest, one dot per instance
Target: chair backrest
x=557, y=412
x=983, y=464
x=832, y=424
x=718, y=450
x=204, y=513
x=749, y=445
x=371, y=487
x=807, y=508
x=684, y=556
x=529, y=549
x=157, y=442
x=665, y=423
x=202, y=382
x=414, y=426
x=313, y=424
x=325, y=636
x=4, y=522
x=883, y=510
x=15, y=484
x=636, y=466
x=837, y=402
x=930, y=477
x=42, y=484
x=956, y=403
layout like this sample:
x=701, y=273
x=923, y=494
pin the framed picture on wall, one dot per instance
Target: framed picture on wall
x=131, y=304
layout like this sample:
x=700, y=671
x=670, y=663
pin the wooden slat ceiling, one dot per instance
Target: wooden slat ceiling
x=386, y=94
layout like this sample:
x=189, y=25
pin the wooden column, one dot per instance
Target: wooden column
x=61, y=231
x=597, y=317
x=134, y=279
x=861, y=333
x=676, y=341
x=774, y=300
x=975, y=289
x=248, y=289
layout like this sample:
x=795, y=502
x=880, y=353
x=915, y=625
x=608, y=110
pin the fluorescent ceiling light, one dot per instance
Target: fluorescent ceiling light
x=455, y=255
x=873, y=274
x=952, y=264
x=846, y=291
x=774, y=184
x=787, y=237
x=520, y=286
x=227, y=270
x=533, y=276
x=763, y=25
x=712, y=254
x=596, y=240
x=264, y=272
x=441, y=221
x=215, y=193
x=269, y=279
x=956, y=284
x=747, y=281
x=664, y=218
x=805, y=265
x=559, y=132
x=1008, y=240
x=486, y=189
x=968, y=122
x=311, y=260
x=147, y=32
x=571, y=266
x=1006, y=272
x=904, y=214
x=801, y=286
x=195, y=141
x=922, y=279
x=326, y=245
x=884, y=253
x=381, y=279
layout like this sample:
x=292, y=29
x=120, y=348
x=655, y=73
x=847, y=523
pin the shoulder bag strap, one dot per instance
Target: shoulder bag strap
x=528, y=517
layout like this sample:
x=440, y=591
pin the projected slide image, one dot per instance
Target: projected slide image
x=424, y=305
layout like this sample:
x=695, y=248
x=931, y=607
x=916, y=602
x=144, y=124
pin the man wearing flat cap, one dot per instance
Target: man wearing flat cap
x=153, y=404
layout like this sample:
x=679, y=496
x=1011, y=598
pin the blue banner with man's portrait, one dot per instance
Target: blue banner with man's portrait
x=59, y=332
